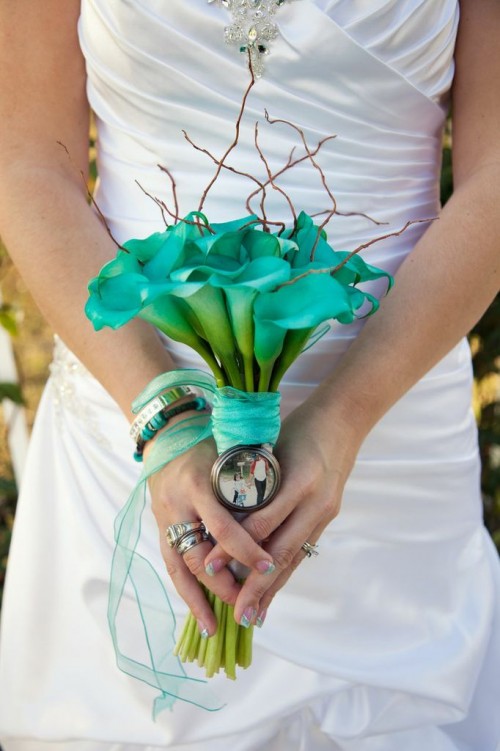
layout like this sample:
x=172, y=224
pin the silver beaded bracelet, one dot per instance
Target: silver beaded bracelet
x=156, y=405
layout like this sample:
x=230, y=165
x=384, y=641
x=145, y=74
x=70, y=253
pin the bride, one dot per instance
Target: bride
x=389, y=638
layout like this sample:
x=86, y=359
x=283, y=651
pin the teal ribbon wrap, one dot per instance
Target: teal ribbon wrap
x=238, y=418
x=244, y=418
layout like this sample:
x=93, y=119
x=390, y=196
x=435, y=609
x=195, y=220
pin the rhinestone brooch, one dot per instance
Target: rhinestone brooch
x=252, y=28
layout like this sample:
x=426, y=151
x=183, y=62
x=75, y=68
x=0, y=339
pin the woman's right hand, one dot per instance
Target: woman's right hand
x=181, y=491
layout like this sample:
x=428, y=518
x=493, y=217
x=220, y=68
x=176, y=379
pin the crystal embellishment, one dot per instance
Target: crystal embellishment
x=252, y=28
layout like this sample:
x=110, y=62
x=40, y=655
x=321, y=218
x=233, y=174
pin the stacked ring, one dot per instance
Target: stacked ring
x=186, y=535
x=310, y=549
x=190, y=540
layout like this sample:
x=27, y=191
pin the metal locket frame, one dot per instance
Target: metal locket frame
x=240, y=489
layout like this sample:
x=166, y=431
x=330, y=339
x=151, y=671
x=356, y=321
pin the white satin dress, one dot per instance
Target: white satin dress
x=389, y=640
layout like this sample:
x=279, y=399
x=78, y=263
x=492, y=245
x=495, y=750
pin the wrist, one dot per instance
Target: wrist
x=166, y=418
x=340, y=411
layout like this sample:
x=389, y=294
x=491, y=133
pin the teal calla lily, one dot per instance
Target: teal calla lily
x=261, y=275
x=301, y=306
x=222, y=290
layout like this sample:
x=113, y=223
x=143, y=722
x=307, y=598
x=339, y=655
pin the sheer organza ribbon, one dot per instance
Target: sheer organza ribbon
x=237, y=418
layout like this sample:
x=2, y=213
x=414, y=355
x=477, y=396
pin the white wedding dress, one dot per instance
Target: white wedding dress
x=389, y=640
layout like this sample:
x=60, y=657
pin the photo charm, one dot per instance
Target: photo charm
x=246, y=478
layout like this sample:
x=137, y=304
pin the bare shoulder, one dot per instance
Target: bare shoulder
x=476, y=89
x=42, y=79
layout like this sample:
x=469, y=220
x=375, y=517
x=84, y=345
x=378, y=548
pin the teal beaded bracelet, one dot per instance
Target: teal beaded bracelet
x=161, y=401
x=160, y=419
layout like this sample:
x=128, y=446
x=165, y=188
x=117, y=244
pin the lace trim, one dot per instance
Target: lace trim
x=64, y=369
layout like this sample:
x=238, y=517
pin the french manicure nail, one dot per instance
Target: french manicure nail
x=259, y=622
x=215, y=566
x=265, y=567
x=247, y=617
x=203, y=630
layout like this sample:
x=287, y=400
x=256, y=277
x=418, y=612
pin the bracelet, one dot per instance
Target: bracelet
x=156, y=405
x=160, y=419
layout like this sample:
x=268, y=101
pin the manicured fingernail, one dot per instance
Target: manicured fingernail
x=215, y=566
x=203, y=630
x=261, y=618
x=247, y=617
x=265, y=567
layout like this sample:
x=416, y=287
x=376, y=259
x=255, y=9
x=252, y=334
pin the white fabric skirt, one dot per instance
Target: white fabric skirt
x=388, y=640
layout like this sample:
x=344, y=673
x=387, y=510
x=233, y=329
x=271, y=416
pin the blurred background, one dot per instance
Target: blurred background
x=22, y=378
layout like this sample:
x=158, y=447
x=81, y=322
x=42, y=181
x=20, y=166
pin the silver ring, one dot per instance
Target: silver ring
x=310, y=549
x=191, y=540
x=175, y=532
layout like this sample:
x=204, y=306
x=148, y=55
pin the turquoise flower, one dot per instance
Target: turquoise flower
x=245, y=299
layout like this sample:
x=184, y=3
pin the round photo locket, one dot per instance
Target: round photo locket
x=246, y=478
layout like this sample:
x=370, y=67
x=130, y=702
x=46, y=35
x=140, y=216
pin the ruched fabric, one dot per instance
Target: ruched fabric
x=389, y=640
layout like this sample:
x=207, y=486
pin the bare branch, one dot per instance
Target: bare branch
x=161, y=205
x=271, y=179
x=236, y=136
x=216, y=161
x=91, y=198
x=316, y=167
x=333, y=269
x=290, y=163
x=174, y=188
x=350, y=213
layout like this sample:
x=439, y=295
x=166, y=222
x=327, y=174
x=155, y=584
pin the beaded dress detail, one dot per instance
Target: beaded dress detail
x=253, y=28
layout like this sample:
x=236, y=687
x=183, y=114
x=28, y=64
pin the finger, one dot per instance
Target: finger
x=189, y=589
x=259, y=525
x=300, y=558
x=233, y=541
x=225, y=587
x=285, y=545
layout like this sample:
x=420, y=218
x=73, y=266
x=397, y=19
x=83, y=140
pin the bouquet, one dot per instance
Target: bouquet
x=248, y=295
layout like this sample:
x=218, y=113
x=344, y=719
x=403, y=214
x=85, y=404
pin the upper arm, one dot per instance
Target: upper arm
x=42, y=85
x=476, y=88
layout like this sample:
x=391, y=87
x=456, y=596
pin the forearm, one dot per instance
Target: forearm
x=440, y=291
x=58, y=243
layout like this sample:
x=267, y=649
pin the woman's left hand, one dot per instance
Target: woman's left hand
x=316, y=457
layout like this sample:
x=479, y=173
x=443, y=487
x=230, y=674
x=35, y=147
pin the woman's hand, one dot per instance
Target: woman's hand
x=181, y=491
x=315, y=457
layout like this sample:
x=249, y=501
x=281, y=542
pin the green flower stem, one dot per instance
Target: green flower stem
x=240, y=303
x=212, y=363
x=231, y=640
x=248, y=364
x=188, y=639
x=221, y=630
x=202, y=651
x=212, y=657
x=295, y=341
x=194, y=645
x=266, y=371
x=245, y=637
x=182, y=637
x=208, y=304
x=229, y=647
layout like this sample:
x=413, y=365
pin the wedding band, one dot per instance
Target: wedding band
x=191, y=540
x=175, y=532
x=310, y=549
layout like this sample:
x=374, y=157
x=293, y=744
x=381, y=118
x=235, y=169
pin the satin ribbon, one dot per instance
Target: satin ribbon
x=238, y=417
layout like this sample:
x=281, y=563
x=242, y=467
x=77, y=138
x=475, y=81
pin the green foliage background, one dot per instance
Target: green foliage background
x=485, y=342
